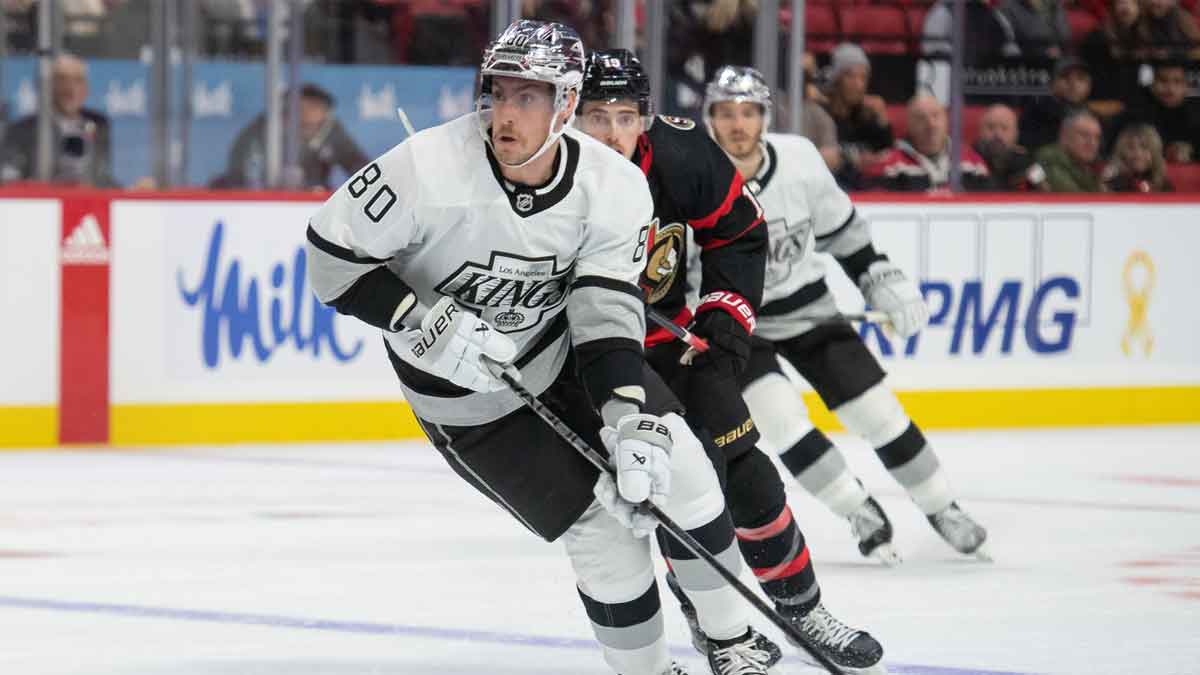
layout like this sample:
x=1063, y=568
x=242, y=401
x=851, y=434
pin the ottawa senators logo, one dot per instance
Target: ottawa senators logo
x=663, y=262
x=680, y=123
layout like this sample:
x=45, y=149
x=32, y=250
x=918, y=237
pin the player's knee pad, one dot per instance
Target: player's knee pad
x=696, y=497
x=755, y=493
x=611, y=565
x=875, y=416
x=778, y=411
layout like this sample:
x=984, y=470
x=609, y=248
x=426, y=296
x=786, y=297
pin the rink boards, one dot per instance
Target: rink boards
x=186, y=318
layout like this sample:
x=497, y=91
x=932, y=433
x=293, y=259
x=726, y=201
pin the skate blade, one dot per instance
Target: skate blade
x=887, y=554
x=877, y=669
x=983, y=554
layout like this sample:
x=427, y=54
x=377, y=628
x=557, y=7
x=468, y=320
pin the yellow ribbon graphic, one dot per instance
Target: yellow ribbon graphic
x=1138, y=298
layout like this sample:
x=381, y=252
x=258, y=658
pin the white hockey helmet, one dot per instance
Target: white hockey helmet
x=738, y=84
x=532, y=50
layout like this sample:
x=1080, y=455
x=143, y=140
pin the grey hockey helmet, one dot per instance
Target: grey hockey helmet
x=533, y=50
x=738, y=84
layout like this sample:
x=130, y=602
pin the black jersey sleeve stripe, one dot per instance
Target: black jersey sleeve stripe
x=609, y=284
x=340, y=252
x=840, y=228
x=376, y=297
x=608, y=364
x=856, y=263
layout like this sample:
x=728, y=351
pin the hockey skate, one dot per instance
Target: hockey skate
x=961, y=531
x=854, y=651
x=751, y=654
x=874, y=533
x=761, y=644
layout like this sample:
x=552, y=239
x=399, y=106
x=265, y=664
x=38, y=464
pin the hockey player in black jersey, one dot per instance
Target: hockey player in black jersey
x=496, y=236
x=807, y=212
x=695, y=186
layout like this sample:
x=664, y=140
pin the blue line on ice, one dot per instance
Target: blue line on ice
x=366, y=628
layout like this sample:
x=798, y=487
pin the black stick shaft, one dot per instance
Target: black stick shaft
x=681, y=535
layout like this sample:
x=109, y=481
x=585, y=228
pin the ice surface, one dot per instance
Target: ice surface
x=376, y=558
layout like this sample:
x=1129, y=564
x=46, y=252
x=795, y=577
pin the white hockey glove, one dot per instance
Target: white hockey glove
x=887, y=289
x=640, y=446
x=450, y=343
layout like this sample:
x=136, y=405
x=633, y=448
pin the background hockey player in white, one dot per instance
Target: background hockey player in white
x=520, y=236
x=806, y=211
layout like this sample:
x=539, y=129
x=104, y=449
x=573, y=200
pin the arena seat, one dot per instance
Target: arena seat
x=1082, y=22
x=878, y=29
x=820, y=28
x=1185, y=177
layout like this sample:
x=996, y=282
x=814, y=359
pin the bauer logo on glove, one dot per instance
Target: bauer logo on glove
x=451, y=344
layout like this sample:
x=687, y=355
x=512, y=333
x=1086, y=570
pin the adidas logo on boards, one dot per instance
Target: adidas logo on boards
x=85, y=245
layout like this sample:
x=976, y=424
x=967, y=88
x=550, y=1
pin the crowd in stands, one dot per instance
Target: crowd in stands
x=1114, y=108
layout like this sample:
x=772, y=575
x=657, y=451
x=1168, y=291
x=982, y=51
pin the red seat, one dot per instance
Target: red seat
x=820, y=28
x=878, y=29
x=1082, y=22
x=1185, y=177
x=971, y=116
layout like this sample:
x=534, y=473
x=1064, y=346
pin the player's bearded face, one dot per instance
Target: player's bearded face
x=521, y=114
x=616, y=124
x=737, y=126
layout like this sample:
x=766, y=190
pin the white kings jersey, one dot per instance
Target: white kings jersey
x=806, y=211
x=549, y=267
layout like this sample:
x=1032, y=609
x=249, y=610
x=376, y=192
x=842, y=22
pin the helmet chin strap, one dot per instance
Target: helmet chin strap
x=552, y=137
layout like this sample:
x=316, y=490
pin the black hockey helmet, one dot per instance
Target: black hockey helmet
x=616, y=74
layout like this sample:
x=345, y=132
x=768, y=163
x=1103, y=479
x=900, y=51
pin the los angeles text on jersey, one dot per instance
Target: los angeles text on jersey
x=510, y=291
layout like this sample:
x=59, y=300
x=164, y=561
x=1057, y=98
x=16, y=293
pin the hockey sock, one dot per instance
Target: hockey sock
x=776, y=551
x=630, y=633
x=877, y=416
x=915, y=466
x=821, y=470
x=720, y=610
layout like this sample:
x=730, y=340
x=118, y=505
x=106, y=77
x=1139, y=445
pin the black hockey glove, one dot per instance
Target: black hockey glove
x=726, y=321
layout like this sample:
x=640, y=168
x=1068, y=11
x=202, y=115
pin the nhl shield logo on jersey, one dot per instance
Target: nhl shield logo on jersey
x=663, y=262
x=524, y=202
x=680, y=123
x=512, y=292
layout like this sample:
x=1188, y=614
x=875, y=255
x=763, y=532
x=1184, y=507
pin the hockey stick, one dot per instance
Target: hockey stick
x=701, y=345
x=678, y=533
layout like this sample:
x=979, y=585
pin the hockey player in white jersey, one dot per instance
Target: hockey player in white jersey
x=505, y=235
x=806, y=211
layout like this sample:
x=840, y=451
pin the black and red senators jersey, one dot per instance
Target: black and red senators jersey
x=694, y=183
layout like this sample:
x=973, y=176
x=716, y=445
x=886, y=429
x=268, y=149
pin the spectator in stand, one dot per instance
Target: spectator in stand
x=921, y=163
x=1070, y=88
x=1115, y=49
x=819, y=126
x=1072, y=165
x=863, y=129
x=989, y=39
x=1171, y=32
x=324, y=144
x=1137, y=164
x=81, y=138
x=1039, y=26
x=1010, y=165
x=1167, y=109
